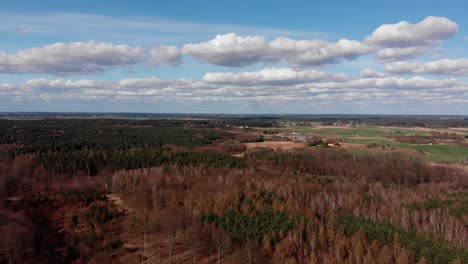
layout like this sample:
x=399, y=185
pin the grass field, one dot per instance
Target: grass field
x=379, y=135
x=450, y=153
x=358, y=131
x=364, y=131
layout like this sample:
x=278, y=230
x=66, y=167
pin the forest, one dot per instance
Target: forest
x=194, y=190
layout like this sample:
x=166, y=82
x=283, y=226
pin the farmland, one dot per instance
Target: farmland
x=365, y=139
x=364, y=131
x=447, y=152
x=357, y=131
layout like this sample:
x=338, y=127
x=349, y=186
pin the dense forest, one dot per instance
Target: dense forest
x=188, y=191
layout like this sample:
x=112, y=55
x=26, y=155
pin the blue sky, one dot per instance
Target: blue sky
x=391, y=57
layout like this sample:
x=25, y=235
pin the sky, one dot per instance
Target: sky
x=252, y=57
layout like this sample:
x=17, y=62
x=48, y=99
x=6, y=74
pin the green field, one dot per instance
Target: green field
x=358, y=131
x=450, y=153
x=363, y=131
x=377, y=135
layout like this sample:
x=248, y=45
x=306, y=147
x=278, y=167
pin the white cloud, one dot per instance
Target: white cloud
x=61, y=84
x=403, y=40
x=233, y=50
x=143, y=83
x=7, y=90
x=273, y=76
x=455, y=67
x=403, y=34
x=390, y=54
x=369, y=73
x=226, y=50
x=398, y=83
x=70, y=58
x=229, y=50
x=400, y=41
x=390, y=42
x=153, y=82
x=256, y=87
x=166, y=55
x=314, y=52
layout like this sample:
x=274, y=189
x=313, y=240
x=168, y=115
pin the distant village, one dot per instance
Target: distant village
x=348, y=123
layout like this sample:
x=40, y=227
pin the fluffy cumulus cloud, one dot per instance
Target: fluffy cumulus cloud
x=228, y=50
x=262, y=87
x=153, y=83
x=402, y=84
x=233, y=50
x=70, y=58
x=403, y=40
x=61, y=84
x=273, y=76
x=403, y=34
x=390, y=42
x=166, y=55
x=398, y=41
x=455, y=67
x=391, y=54
x=315, y=52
